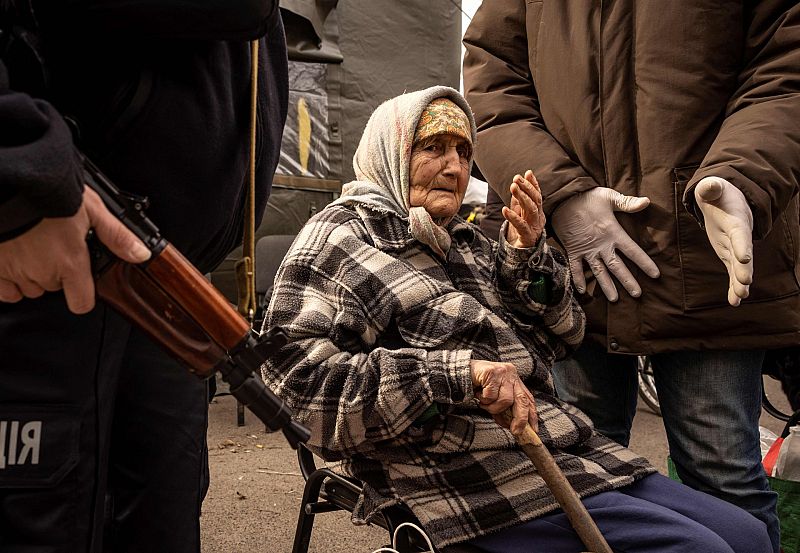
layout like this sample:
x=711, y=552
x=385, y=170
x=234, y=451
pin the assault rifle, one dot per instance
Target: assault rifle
x=169, y=299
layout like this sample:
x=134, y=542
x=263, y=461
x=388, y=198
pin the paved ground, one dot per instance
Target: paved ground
x=255, y=492
x=256, y=487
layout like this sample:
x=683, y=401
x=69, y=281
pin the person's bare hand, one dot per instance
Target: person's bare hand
x=525, y=216
x=54, y=255
x=498, y=387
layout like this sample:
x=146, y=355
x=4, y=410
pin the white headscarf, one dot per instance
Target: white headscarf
x=383, y=158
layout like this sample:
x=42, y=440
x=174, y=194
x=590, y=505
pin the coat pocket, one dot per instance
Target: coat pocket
x=705, y=278
x=39, y=480
x=38, y=445
x=533, y=22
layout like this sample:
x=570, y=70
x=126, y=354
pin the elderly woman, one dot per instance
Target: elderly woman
x=411, y=333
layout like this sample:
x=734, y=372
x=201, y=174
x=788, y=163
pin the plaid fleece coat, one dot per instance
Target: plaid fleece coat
x=380, y=329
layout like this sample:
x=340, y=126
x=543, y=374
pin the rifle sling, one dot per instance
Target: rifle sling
x=245, y=267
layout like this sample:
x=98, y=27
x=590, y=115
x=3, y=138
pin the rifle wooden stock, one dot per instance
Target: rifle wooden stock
x=172, y=302
x=176, y=306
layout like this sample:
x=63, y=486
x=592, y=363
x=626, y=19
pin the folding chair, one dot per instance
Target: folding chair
x=326, y=491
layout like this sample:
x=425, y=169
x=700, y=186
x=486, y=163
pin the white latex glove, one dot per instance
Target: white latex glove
x=587, y=227
x=729, y=226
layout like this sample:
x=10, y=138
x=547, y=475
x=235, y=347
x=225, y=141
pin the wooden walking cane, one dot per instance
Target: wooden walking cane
x=547, y=468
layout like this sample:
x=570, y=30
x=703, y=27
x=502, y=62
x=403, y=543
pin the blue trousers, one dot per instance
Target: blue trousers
x=653, y=515
x=710, y=402
x=104, y=446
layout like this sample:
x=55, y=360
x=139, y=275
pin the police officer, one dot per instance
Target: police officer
x=98, y=427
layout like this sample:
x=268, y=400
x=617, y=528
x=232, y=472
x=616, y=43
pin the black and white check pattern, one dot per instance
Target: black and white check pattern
x=380, y=329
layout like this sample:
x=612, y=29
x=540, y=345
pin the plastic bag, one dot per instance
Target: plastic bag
x=768, y=438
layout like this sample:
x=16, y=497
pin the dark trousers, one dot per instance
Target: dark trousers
x=102, y=436
x=653, y=515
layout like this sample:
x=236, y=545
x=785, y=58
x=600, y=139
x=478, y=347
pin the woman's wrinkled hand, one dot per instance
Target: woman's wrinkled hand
x=498, y=388
x=525, y=216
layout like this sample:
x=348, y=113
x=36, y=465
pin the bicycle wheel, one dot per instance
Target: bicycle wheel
x=769, y=406
x=647, y=385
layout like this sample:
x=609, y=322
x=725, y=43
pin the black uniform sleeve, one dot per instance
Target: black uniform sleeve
x=40, y=173
x=237, y=20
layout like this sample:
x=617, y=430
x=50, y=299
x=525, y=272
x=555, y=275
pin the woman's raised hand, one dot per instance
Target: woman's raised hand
x=498, y=387
x=525, y=216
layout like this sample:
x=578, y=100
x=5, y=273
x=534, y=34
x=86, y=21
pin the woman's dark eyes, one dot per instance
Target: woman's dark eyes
x=438, y=148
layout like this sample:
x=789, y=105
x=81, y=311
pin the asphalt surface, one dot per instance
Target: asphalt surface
x=256, y=486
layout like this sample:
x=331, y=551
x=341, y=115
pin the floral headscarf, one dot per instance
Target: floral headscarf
x=442, y=116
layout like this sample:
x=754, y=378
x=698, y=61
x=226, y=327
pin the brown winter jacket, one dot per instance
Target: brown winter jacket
x=648, y=97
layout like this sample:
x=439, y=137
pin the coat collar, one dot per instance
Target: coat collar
x=390, y=232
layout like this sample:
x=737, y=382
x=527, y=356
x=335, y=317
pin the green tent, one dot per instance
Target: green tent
x=345, y=58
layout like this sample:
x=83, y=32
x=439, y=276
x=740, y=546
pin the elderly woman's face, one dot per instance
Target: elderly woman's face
x=439, y=174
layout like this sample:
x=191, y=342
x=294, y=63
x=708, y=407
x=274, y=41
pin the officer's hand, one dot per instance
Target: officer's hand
x=498, y=387
x=587, y=227
x=54, y=255
x=525, y=216
x=729, y=226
